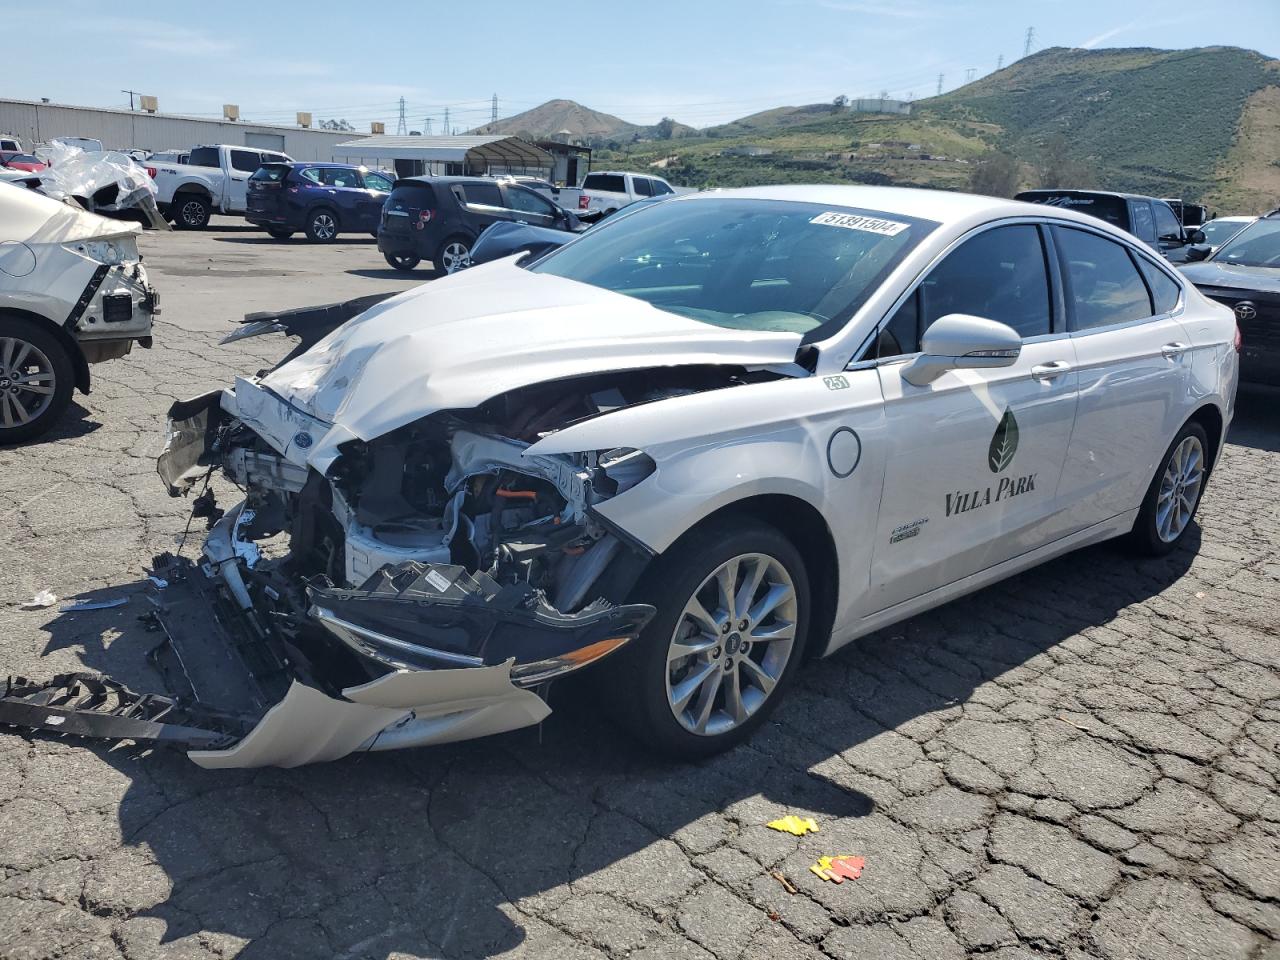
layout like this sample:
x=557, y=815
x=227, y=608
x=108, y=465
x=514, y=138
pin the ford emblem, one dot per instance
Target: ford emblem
x=302, y=440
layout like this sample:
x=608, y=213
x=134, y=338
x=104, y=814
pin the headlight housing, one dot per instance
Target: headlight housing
x=110, y=252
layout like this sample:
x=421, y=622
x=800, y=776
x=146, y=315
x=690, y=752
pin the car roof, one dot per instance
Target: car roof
x=1046, y=191
x=315, y=163
x=447, y=180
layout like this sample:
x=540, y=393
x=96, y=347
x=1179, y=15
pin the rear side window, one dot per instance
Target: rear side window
x=246, y=160
x=272, y=174
x=610, y=182
x=643, y=186
x=338, y=177
x=1167, y=225
x=1144, y=225
x=1103, y=284
x=485, y=194
x=1165, y=291
x=204, y=157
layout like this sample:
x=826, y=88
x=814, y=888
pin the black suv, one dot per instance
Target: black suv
x=1150, y=220
x=440, y=218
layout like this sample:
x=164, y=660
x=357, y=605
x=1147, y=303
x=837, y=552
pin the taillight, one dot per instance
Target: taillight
x=583, y=202
x=151, y=172
x=1238, y=343
x=424, y=217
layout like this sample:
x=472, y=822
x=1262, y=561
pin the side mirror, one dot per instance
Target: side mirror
x=958, y=341
x=1196, y=236
x=1198, y=252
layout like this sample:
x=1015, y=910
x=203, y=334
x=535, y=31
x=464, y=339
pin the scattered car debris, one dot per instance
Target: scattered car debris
x=76, y=606
x=838, y=869
x=792, y=824
x=787, y=885
x=104, y=182
x=1071, y=723
x=42, y=599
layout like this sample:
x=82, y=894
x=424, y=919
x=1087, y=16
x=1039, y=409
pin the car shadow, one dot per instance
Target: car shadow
x=300, y=239
x=1257, y=418
x=450, y=850
x=421, y=272
x=75, y=422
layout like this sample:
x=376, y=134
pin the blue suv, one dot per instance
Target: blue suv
x=320, y=199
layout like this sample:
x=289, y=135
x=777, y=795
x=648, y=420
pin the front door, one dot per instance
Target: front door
x=974, y=458
x=1133, y=360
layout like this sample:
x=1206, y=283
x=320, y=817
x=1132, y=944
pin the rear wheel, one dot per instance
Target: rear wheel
x=402, y=261
x=728, y=637
x=1174, y=494
x=322, y=226
x=190, y=211
x=453, y=255
x=280, y=233
x=36, y=379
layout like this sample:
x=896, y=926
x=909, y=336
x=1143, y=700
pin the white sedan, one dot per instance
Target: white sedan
x=697, y=444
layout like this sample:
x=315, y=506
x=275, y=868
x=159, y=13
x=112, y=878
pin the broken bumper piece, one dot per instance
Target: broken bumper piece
x=426, y=616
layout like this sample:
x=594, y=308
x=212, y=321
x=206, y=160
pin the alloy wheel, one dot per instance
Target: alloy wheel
x=324, y=227
x=454, y=257
x=731, y=644
x=27, y=382
x=193, y=213
x=1179, y=489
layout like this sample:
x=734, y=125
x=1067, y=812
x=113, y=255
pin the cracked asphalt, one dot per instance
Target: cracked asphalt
x=1081, y=762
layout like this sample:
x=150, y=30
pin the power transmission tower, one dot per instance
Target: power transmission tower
x=1000, y=62
x=493, y=114
x=428, y=125
x=1026, y=47
x=446, y=121
x=402, y=128
x=940, y=76
x=968, y=74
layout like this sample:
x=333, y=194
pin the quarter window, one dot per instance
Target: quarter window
x=1165, y=291
x=376, y=181
x=1103, y=285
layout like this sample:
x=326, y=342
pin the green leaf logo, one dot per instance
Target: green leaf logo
x=1004, y=444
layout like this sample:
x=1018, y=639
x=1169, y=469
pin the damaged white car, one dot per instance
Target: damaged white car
x=73, y=292
x=698, y=445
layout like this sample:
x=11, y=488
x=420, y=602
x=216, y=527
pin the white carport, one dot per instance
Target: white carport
x=448, y=156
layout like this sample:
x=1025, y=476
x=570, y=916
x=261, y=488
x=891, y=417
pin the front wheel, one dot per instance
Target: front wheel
x=190, y=212
x=36, y=378
x=402, y=261
x=733, y=610
x=322, y=226
x=1174, y=493
x=280, y=233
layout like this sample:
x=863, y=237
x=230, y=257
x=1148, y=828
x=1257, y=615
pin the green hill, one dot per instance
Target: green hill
x=1202, y=123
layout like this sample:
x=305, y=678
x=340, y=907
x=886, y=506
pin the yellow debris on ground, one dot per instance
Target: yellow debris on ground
x=792, y=824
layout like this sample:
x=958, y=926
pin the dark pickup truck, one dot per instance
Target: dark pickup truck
x=1150, y=220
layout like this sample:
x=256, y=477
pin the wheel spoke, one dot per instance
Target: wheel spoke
x=691, y=648
x=683, y=692
x=726, y=583
x=733, y=704
x=35, y=388
x=778, y=630
x=762, y=678
x=15, y=364
x=698, y=613
x=750, y=584
x=707, y=699
x=778, y=593
x=6, y=356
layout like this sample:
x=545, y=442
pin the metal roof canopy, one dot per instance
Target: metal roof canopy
x=476, y=150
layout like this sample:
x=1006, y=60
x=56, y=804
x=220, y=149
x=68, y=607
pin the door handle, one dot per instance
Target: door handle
x=1050, y=370
x=1172, y=351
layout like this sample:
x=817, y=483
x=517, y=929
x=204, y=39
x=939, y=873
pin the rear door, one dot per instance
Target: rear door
x=377, y=186
x=972, y=471
x=345, y=190
x=481, y=203
x=1134, y=363
x=242, y=165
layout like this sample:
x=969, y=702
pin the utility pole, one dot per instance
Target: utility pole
x=940, y=76
x=493, y=114
x=132, y=94
x=1026, y=47
x=402, y=128
x=968, y=74
x=1000, y=62
x=446, y=121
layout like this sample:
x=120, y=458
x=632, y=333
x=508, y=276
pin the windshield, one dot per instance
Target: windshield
x=1217, y=232
x=1257, y=245
x=744, y=264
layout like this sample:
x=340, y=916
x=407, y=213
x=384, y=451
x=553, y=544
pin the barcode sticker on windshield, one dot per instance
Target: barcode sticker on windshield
x=850, y=221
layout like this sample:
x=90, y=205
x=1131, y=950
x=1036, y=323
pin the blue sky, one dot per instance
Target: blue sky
x=700, y=61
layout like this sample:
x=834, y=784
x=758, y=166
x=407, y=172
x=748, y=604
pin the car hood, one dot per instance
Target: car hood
x=458, y=341
x=30, y=217
x=1213, y=273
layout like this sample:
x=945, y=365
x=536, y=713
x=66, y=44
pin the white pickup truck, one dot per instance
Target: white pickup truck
x=214, y=180
x=609, y=190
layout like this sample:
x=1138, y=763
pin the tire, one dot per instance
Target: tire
x=1178, y=486
x=30, y=353
x=403, y=262
x=280, y=233
x=453, y=254
x=190, y=211
x=659, y=698
x=322, y=225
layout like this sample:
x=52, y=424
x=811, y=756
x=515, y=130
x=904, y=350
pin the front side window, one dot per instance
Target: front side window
x=744, y=264
x=1000, y=275
x=1103, y=285
x=526, y=201
x=246, y=160
x=661, y=189
x=1257, y=245
x=1167, y=225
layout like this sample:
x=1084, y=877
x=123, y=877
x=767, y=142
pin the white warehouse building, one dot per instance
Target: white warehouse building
x=34, y=122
